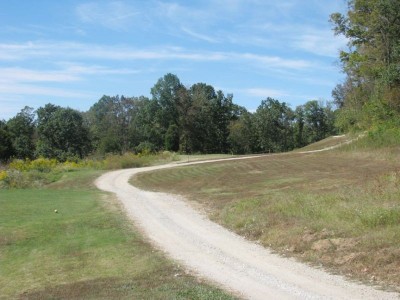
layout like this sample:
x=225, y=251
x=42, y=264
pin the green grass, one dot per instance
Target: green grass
x=339, y=209
x=87, y=250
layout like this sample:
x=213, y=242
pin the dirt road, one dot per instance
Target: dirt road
x=211, y=251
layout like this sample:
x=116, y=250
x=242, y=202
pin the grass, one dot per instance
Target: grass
x=85, y=250
x=332, y=141
x=339, y=209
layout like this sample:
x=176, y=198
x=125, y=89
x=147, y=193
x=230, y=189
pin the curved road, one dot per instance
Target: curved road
x=211, y=251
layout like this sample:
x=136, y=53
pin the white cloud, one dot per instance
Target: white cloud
x=27, y=89
x=275, y=61
x=265, y=92
x=27, y=75
x=320, y=42
x=114, y=15
x=102, y=54
x=199, y=35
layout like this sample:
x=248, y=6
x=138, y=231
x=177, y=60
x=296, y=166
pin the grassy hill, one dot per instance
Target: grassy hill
x=339, y=209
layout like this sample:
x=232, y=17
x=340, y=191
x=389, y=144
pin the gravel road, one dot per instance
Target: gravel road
x=211, y=251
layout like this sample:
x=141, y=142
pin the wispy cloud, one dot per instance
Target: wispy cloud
x=320, y=42
x=90, y=51
x=27, y=75
x=199, y=36
x=265, y=92
x=28, y=89
x=115, y=15
x=274, y=61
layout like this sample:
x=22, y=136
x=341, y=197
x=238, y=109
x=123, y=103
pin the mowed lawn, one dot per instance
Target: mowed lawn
x=85, y=250
x=339, y=209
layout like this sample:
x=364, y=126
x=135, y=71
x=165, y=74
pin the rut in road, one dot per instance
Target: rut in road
x=213, y=252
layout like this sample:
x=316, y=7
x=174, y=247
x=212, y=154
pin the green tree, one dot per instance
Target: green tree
x=112, y=123
x=22, y=130
x=242, y=134
x=201, y=135
x=165, y=93
x=62, y=133
x=147, y=124
x=6, y=147
x=274, y=126
x=372, y=61
x=172, y=138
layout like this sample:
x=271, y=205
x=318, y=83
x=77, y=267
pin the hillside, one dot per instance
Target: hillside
x=338, y=208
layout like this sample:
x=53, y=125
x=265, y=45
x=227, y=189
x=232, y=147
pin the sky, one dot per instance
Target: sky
x=71, y=53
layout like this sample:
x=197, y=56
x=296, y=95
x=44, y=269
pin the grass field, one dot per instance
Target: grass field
x=85, y=250
x=339, y=209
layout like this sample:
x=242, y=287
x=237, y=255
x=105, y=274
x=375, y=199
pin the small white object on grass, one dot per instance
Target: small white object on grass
x=56, y=211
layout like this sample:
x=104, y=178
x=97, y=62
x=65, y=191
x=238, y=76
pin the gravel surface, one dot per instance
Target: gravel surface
x=213, y=252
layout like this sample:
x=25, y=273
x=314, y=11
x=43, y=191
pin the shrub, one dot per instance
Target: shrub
x=3, y=175
x=43, y=164
x=145, y=148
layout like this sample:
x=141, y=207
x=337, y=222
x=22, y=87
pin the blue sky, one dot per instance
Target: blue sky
x=70, y=52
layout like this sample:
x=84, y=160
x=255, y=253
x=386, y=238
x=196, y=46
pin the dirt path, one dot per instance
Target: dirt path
x=211, y=251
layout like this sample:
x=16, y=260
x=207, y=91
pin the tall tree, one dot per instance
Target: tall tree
x=62, y=133
x=6, y=147
x=316, y=121
x=372, y=87
x=274, y=126
x=242, y=134
x=165, y=92
x=22, y=129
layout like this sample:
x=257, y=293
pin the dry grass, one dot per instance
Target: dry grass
x=332, y=141
x=339, y=209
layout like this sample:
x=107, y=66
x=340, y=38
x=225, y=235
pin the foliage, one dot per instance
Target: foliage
x=22, y=129
x=62, y=133
x=371, y=63
x=6, y=147
x=273, y=125
x=195, y=119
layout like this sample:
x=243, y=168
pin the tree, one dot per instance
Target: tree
x=300, y=138
x=242, y=138
x=372, y=61
x=274, y=126
x=201, y=135
x=6, y=147
x=318, y=121
x=165, y=92
x=222, y=115
x=147, y=123
x=112, y=122
x=62, y=133
x=22, y=130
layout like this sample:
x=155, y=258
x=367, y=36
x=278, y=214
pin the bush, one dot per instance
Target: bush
x=3, y=175
x=145, y=148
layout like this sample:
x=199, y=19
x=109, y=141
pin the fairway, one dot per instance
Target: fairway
x=338, y=209
x=85, y=250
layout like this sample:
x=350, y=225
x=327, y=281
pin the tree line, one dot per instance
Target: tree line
x=195, y=119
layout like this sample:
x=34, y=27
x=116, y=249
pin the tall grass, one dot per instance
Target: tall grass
x=42, y=171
